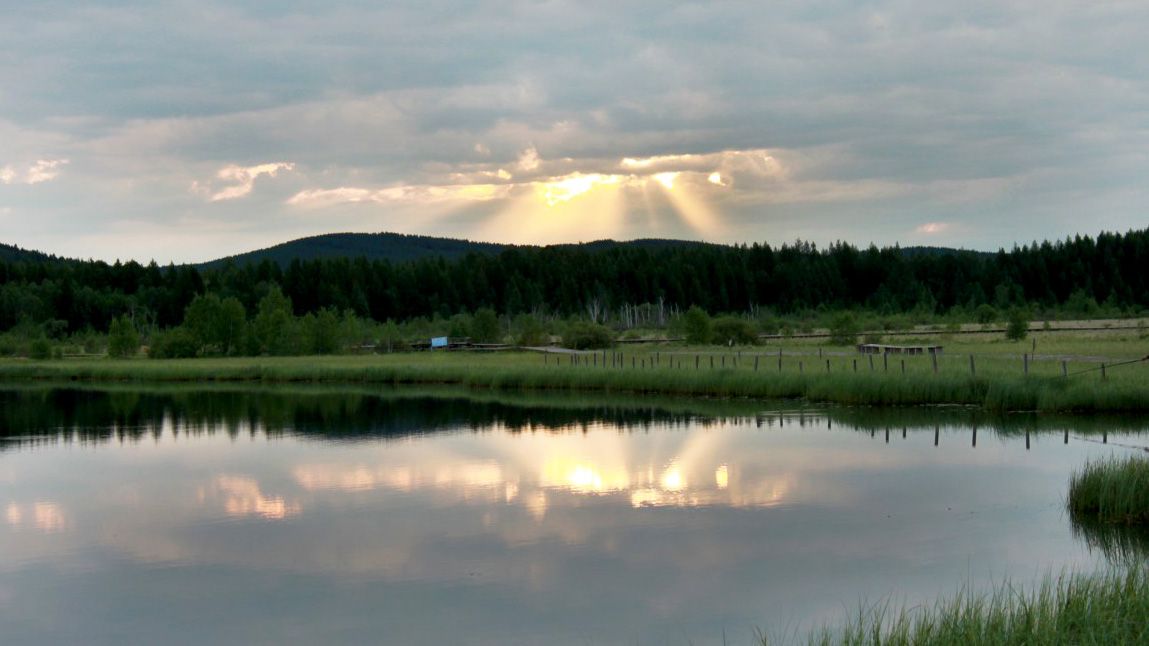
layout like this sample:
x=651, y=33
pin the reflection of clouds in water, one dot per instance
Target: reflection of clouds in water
x=527, y=471
x=44, y=516
x=242, y=496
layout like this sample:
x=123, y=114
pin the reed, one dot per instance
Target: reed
x=1111, y=491
x=1110, y=608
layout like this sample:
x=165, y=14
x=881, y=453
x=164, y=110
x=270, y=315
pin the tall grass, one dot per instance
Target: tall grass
x=1112, y=491
x=1110, y=608
x=996, y=386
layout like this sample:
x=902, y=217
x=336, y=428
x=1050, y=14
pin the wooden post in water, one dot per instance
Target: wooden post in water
x=887, y=435
x=1065, y=438
x=1027, y=439
x=937, y=431
x=975, y=436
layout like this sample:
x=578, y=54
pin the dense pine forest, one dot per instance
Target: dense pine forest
x=621, y=285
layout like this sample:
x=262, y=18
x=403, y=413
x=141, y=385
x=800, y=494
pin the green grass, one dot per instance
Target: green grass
x=997, y=385
x=1112, y=491
x=1110, y=608
x=809, y=370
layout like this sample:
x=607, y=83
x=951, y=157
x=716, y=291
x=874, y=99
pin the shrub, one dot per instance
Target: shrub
x=844, y=329
x=1018, y=326
x=123, y=340
x=731, y=330
x=581, y=335
x=696, y=325
x=485, y=326
x=40, y=349
x=985, y=314
x=176, y=343
x=529, y=330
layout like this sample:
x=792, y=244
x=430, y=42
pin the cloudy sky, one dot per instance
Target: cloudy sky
x=187, y=130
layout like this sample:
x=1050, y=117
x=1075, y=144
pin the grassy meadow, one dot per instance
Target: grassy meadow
x=786, y=368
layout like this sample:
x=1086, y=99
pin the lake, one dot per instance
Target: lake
x=183, y=515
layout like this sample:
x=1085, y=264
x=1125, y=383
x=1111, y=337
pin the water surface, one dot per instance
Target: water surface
x=411, y=517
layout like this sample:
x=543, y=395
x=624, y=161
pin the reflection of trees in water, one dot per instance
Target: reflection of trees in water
x=1121, y=544
x=51, y=413
x=95, y=415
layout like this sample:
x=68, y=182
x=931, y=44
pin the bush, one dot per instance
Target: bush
x=485, y=326
x=587, y=336
x=1018, y=326
x=844, y=329
x=40, y=349
x=731, y=330
x=529, y=330
x=123, y=340
x=176, y=343
x=696, y=325
x=985, y=314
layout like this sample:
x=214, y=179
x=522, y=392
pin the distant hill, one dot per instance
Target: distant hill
x=396, y=247
x=11, y=253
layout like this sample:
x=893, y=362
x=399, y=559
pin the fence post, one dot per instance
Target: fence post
x=1064, y=368
x=886, y=361
x=799, y=367
x=871, y=362
x=903, y=366
x=1025, y=363
x=827, y=365
x=934, y=359
x=1102, y=372
x=855, y=365
x=723, y=361
x=972, y=371
x=755, y=363
x=712, y=362
x=632, y=361
x=696, y=362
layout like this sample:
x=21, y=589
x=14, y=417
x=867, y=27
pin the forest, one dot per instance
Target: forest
x=620, y=286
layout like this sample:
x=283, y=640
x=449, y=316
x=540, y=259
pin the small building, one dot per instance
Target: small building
x=878, y=348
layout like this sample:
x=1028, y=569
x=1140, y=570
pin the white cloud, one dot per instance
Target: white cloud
x=243, y=178
x=42, y=170
x=932, y=228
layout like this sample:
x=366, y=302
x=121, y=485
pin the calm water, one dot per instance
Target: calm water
x=232, y=516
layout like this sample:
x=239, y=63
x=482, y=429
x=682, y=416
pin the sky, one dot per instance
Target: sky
x=189, y=130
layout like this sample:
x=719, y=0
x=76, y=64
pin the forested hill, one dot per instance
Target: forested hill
x=398, y=247
x=10, y=253
x=1076, y=275
x=395, y=247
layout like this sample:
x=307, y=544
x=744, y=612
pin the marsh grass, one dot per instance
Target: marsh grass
x=814, y=373
x=1111, y=491
x=1110, y=608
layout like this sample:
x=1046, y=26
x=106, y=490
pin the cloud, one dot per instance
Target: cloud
x=243, y=178
x=932, y=228
x=42, y=170
x=849, y=121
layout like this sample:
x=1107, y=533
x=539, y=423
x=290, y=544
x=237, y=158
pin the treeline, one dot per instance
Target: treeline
x=621, y=286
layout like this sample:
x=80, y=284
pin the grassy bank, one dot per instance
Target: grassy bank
x=997, y=383
x=1112, y=491
x=1076, y=609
